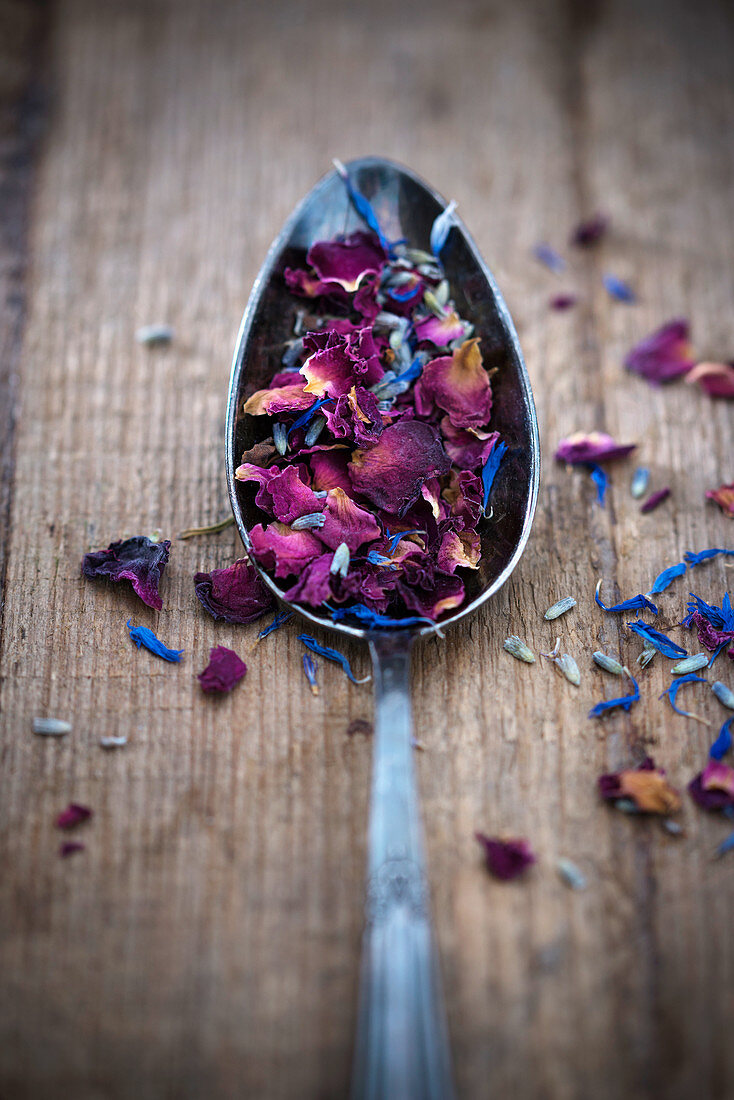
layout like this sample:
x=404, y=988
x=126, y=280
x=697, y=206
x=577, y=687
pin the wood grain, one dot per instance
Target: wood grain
x=206, y=943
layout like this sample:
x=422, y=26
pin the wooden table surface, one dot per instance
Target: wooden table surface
x=206, y=943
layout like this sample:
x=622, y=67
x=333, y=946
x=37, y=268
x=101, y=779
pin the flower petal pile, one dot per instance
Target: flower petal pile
x=373, y=458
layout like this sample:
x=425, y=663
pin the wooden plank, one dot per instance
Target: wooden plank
x=206, y=943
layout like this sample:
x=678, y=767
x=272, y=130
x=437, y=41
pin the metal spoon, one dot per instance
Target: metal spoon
x=402, y=1048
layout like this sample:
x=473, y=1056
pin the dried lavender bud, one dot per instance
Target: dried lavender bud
x=609, y=664
x=51, y=727
x=691, y=664
x=640, y=482
x=309, y=522
x=572, y=875
x=560, y=608
x=113, y=742
x=151, y=335
x=648, y=652
x=315, y=429
x=569, y=668
x=517, y=648
x=340, y=561
x=280, y=438
x=724, y=694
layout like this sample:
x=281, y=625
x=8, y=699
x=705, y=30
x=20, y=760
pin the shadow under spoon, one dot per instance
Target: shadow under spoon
x=402, y=1048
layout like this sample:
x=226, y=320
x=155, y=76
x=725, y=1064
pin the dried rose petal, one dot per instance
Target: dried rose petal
x=225, y=669
x=356, y=416
x=72, y=816
x=282, y=549
x=391, y=473
x=338, y=362
x=314, y=583
x=645, y=786
x=235, y=594
x=330, y=470
x=347, y=260
x=429, y=595
x=138, y=560
x=458, y=550
x=593, y=447
x=506, y=859
x=708, y=635
x=440, y=331
x=589, y=232
x=724, y=497
x=282, y=493
x=715, y=379
x=347, y=522
x=713, y=788
x=464, y=495
x=69, y=847
x=655, y=499
x=562, y=302
x=459, y=385
x=664, y=355
x=467, y=449
x=282, y=399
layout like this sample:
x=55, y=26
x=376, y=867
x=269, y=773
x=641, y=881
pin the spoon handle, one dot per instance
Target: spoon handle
x=402, y=1049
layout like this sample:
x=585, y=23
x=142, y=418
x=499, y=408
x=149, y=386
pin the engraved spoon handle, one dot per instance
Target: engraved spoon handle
x=402, y=1049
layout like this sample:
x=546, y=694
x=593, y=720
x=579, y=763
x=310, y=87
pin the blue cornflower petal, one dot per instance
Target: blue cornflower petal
x=705, y=555
x=672, y=691
x=331, y=655
x=489, y=472
x=374, y=619
x=412, y=372
x=362, y=206
x=657, y=639
x=374, y=558
x=667, y=577
x=600, y=480
x=549, y=257
x=308, y=415
x=395, y=539
x=442, y=227
x=280, y=618
x=618, y=289
x=722, y=744
x=634, y=603
x=309, y=669
x=624, y=701
x=721, y=618
x=725, y=846
x=141, y=635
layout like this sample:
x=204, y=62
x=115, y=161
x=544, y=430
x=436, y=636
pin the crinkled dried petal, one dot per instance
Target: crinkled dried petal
x=347, y=522
x=646, y=786
x=138, y=560
x=459, y=550
x=715, y=379
x=280, y=548
x=282, y=493
x=713, y=788
x=724, y=497
x=340, y=361
x=314, y=583
x=347, y=260
x=281, y=399
x=391, y=473
x=234, y=595
x=224, y=671
x=355, y=416
x=330, y=470
x=506, y=858
x=464, y=495
x=591, y=447
x=440, y=331
x=664, y=355
x=459, y=385
x=432, y=598
x=467, y=449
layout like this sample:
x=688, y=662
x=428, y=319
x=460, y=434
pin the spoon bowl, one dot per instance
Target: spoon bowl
x=402, y=1048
